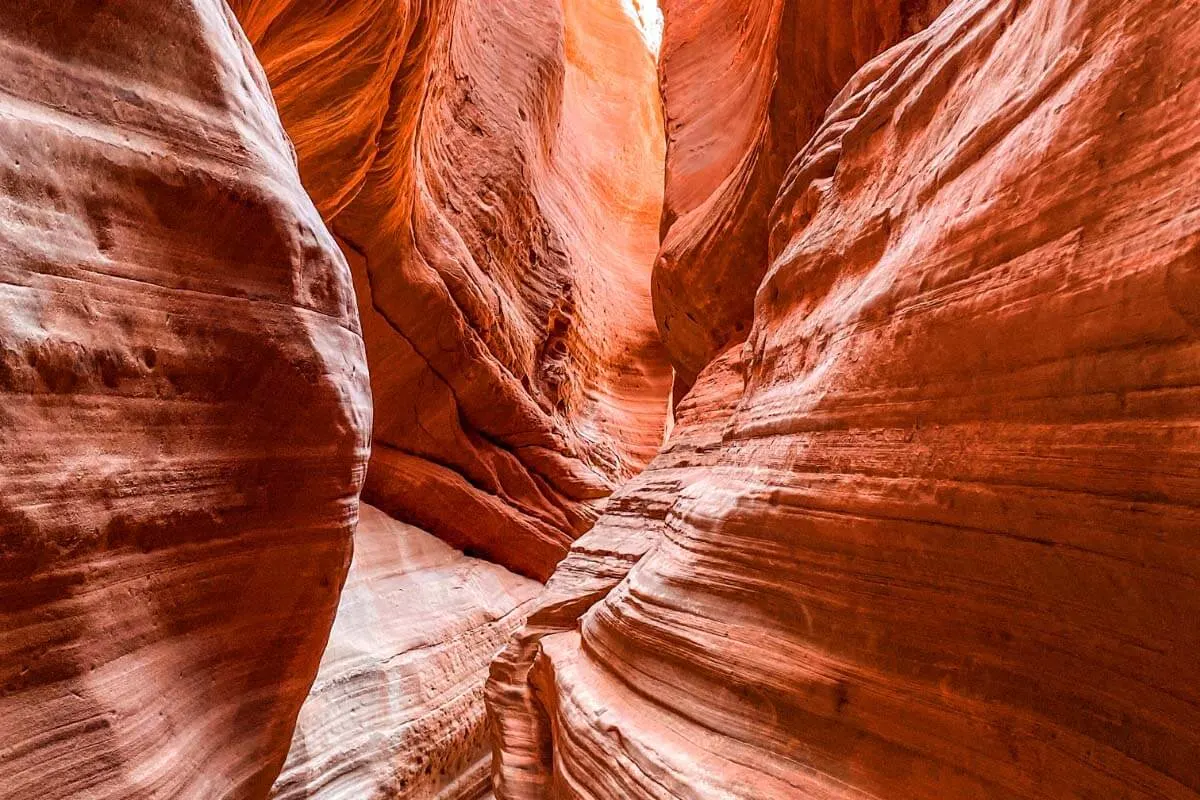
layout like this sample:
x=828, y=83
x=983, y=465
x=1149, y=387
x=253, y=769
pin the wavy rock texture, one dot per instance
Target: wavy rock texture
x=928, y=520
x=502, y=258
x=744, y=86
x=947, y=547
x=396, y=709
x=183, y=408
x=521, y=726
x=493, y=171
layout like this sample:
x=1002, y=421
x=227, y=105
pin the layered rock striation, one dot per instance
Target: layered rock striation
x=947, y=546
x=501, y=256
x=184, y=409
x=519, y=710
x=925, y=523
x=744, y=86
x=501, y=260
x=396, y=709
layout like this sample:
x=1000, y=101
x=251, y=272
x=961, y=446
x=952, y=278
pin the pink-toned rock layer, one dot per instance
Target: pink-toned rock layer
x=947, y=544
x=493, y=169
x=183, y=409
x=396, y=709
x=520, y=722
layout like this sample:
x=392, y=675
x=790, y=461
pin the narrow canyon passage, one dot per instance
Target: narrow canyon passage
x=495, y=181
x=599, y=399
x=494, y=175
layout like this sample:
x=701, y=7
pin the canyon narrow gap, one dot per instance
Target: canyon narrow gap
x=600, y=399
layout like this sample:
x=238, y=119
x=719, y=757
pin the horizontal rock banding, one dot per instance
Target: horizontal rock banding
x=925, y=525
x=948, y=546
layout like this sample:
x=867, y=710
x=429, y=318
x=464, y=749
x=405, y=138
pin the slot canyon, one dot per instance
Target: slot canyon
x=600, y=399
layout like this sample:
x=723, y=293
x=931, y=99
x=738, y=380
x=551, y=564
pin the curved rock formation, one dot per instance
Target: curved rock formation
x=502, y=257
x=927, y=522
x=744, y=85
x=396, y=709
x=948, y=547
x=521, y=738
x=183, y=409
x=493, y=171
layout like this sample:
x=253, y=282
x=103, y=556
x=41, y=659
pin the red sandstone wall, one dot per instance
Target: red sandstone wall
x=493, y=172
x=502, y=258
x=948, y=545
x=926, y=523
x=183, y=409
x=744, y=85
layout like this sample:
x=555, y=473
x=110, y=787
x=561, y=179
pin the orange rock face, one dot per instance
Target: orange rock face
x=520, y=714
x=183, y=409
x=948, y=546
x=502, y=259
x=744, y=85
x=502, y=264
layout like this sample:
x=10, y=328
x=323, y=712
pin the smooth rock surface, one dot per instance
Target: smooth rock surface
x=184, y=409
x=396, y=709
x=948, y=547
x=493, y=169
x=744, y=86
x=927, y=522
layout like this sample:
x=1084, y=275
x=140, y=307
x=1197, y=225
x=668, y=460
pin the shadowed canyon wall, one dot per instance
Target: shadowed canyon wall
x=744, y=85
x=925, y=523
x=184, y=408
x=502, y=258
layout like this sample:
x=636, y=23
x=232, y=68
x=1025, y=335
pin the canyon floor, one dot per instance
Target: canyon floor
x=600, y=399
